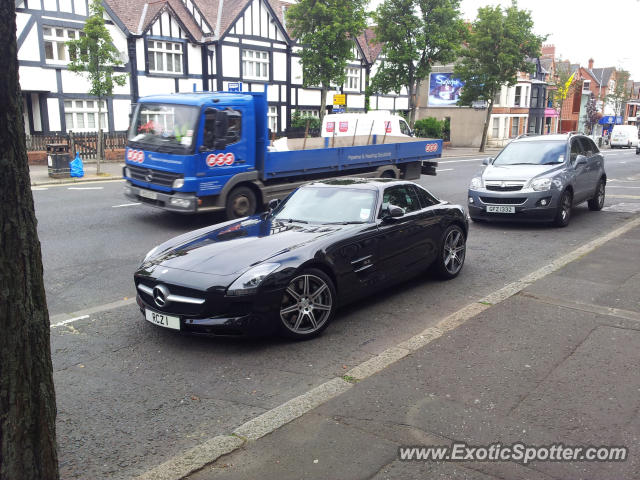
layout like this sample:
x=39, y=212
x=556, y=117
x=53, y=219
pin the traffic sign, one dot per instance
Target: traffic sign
x=234, y=87
x=339, y=99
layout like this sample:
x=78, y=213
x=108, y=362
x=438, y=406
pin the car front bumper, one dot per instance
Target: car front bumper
x=251, y=315
x=527, y=205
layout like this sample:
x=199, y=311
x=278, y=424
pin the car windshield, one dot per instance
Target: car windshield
x=164, y=126
x=328, y=205
x=532, y=153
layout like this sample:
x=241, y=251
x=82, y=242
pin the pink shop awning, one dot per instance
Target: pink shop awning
x=550, y=112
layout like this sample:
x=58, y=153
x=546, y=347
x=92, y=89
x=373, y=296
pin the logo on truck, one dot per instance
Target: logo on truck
x=331, y=126
x=431, y=147
x=344, y=126
x=136, y=156
x=220, y=159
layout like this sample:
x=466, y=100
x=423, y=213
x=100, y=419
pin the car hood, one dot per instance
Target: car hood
x=236, y=246
x=517, y=172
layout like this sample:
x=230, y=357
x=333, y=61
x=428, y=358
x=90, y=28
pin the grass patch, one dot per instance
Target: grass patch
x=349, y=378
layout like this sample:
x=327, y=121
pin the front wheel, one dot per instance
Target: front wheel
x=241, y=202
x=563, y=212
x=308, y=304
x=452, y=253
x=597, y=202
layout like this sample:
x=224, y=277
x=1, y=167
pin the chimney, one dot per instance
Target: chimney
x=591, y=64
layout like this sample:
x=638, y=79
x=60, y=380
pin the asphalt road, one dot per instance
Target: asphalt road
x=131, y=395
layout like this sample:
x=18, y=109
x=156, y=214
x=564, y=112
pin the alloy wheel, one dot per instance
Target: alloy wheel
x=454, y=251
x=306, y=304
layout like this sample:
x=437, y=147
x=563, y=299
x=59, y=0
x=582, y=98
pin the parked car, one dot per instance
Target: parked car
x=539, y=178
x=624, y=136
x=328, y=243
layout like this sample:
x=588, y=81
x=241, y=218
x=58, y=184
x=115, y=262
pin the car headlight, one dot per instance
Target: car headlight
x=178, y=183
x=249, y=281
x=476, y=183
x=541, y=184
x=150, y=254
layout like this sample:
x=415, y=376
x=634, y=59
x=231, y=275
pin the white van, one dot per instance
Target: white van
x=374, y=123
x=624, y=136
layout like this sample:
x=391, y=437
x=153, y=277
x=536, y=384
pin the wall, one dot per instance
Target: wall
x=466, y=123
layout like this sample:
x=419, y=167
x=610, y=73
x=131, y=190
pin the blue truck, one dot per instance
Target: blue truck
x=210, y=151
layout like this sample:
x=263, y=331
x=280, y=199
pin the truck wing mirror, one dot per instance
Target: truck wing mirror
x=487, y=161
x=273, y=203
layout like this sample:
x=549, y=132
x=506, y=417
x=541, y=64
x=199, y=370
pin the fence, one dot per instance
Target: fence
x=86, y=144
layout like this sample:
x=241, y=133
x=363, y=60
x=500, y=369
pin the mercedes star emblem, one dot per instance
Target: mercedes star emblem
x=160, y=294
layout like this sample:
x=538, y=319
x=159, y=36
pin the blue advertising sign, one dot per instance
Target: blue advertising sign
x=444, y=90
x=234, y=87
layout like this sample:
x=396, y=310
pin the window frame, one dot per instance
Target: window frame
x=518, y=96
x=153, y=52
x=59, y=42
x=352, y=79
x=397, y=187
x=83, y=112
x=515, y=123
x=254, y=60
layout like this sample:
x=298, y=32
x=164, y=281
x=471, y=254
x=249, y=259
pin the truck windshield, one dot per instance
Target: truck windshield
x=532, y=153
x=164, y=127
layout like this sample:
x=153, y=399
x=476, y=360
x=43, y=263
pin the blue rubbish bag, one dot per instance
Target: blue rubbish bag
x=77, y=169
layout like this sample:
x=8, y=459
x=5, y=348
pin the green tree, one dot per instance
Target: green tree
x=500, y=45
x=621, y=93
x=27, y=396
x=94, y=55
x=414, y=35
x=326, y=29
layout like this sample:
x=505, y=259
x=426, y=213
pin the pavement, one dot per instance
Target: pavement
x=555, y=360
x=113, y=170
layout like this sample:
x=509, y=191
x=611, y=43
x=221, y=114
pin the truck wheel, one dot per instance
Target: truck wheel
x=241, y=202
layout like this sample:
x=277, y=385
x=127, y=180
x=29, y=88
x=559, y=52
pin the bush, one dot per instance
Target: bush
x=429, y=127
x=299, y=121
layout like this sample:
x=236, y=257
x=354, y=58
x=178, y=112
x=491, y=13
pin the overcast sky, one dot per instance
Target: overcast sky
x=606, y=30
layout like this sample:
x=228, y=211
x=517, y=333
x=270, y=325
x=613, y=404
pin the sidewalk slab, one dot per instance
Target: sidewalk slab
x=524, y=370
x=109, y=171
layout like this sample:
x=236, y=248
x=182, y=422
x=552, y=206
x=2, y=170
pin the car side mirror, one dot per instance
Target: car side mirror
x=487, y=161
x=273, y=203
x=581, y=160
x=393, y=211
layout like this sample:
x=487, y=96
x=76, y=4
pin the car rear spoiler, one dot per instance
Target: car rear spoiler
x=429, y=167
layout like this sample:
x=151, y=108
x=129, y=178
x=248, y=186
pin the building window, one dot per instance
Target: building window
x=165, y=57
x=586, y=85
x=495, y=133
x=496, y=99
x=273, y=119
x=534, y=97
x=526, y=97
x=309, y=113
x=55, y=48
x=515, y=126
x=82, y=115
x=352, y=81
x=518, y=96
x=255, y=64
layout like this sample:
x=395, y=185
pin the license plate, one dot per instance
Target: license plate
x=500, y=209
x=166, y=321
x=149, y=195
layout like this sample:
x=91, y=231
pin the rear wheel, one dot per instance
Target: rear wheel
x=308, y=305
x=563, y=212
x=597, y=202
x=241, y=202
x=452, y=253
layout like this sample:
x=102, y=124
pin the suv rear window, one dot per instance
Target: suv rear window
x=532, y=153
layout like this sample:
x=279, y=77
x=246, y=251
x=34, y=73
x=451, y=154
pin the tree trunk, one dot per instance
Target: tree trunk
x=100, y=137
x=411, y=90
x=486, y=124
x=323, y=102
x=27, y=397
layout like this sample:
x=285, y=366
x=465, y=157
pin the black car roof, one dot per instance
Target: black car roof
x=353, y=182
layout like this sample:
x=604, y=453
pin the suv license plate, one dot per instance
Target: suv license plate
x=500, y=209
x=149, y=195
x=166, y=321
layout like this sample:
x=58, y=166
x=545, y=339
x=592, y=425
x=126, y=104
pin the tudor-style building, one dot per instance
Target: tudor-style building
x=175, y=46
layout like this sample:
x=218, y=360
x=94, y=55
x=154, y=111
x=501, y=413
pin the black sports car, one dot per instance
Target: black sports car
x=328, y=243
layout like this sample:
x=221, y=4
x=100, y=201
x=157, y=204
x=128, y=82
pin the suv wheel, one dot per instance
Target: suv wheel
x=563, y=212
x=597, y=202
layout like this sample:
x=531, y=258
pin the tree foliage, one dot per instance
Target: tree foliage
x=621, y=92
x=414, y=35
x=27, y=397
x=327, y=29
x=500, y=45
x=94, y=55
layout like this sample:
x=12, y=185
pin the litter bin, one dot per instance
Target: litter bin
x=58, y=160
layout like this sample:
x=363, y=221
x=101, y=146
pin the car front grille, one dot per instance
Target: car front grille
x=504, y=186
x=151, y=175
x=175, y=307
x=503, y=200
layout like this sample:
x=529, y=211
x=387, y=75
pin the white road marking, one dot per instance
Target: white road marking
x=83, y=182
x=444, y=169
x=620, y=186
x=125, y=205
x=71, y=320
x=85, y=188
x=460, y=161
x=183, y=464
x=73, y=316
x=38, y=189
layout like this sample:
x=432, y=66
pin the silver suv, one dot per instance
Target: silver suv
x=539, y=178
